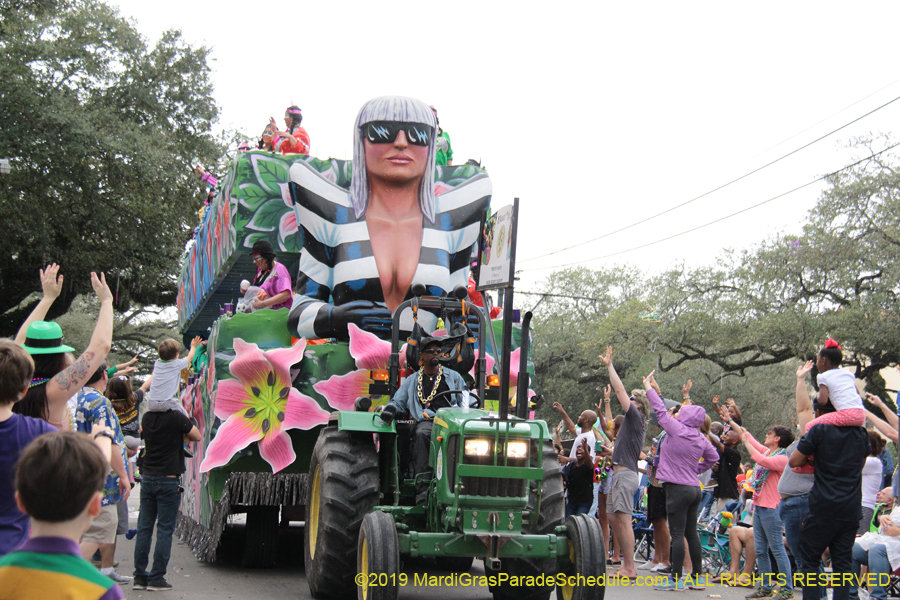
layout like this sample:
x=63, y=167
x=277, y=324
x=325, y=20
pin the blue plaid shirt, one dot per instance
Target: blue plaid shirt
x=94, y=407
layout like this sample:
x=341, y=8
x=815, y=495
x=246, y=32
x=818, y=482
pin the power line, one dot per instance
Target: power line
x=703, y=195
x=822, y=178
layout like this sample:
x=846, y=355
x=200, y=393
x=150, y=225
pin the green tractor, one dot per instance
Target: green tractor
x=495, y=493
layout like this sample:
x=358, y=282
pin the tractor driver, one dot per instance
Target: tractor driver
x=420, y=396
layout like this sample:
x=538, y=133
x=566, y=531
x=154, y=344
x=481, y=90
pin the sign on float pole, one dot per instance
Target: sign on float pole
x=496, y=271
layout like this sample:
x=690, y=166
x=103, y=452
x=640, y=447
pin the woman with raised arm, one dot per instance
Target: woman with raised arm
x=688, y=454
x=771, y=461
x=57, y=378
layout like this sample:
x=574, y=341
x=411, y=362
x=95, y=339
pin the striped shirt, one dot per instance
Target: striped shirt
x=45, y=568
x=337, y=264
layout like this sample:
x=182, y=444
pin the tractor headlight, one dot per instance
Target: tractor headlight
x=477, y=447
x=517, y=450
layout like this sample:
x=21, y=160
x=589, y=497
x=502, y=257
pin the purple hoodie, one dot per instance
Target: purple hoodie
x=679, y=460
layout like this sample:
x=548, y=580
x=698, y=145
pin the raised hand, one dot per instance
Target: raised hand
x=730, y=402
x=100, y=287
x=716, y=402
x=51, y=281
x=559, y=408
x=686, y=388
x=875, y=400
x=606, y=392
x=648, y=379
x=606, y=359
x=802, y=370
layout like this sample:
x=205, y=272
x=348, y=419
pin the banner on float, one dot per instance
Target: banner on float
x=497, y=249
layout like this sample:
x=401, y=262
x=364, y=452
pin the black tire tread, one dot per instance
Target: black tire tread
x=348, y=472
x=384, y=554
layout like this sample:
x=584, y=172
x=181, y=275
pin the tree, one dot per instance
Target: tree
x=737, y=327
x=100, y=131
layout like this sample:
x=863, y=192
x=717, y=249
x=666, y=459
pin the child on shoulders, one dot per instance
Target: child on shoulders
x=838, y=386
x=164, y=385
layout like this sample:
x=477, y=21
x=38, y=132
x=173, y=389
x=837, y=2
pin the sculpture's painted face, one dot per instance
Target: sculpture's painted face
x=397, y=161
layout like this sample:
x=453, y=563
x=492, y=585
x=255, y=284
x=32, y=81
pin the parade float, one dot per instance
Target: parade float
x=232, y=471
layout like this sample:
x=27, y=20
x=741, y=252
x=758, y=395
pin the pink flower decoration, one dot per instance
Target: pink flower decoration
x=287, y=225
x=368, y=352
x=260, y=405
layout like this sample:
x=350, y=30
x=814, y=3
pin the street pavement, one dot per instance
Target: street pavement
x=195, y=580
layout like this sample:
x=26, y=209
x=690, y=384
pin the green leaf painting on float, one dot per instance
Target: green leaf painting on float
x=267, y=217
x=252, y=238
x=270, y=171
x=251, y=196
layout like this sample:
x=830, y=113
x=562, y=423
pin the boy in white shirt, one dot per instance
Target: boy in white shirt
x=164, y=388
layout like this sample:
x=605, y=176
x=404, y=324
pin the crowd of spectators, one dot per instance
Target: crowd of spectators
x=70, y=429
x=811, y=499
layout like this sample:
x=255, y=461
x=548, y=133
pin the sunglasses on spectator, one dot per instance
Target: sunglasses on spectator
x=385, y=132
x=431, y=351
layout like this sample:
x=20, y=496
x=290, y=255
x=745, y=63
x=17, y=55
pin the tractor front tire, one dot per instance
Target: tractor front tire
x=378, y=558
x=551, y=515
x=343, y=489
x=585, y=546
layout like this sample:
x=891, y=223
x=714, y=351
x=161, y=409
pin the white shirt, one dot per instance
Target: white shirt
x=871, y=481
x=166, y=379
x=842, y=390
x=591, y=440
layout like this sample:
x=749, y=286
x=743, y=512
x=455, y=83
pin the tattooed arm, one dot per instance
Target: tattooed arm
x=71, y=379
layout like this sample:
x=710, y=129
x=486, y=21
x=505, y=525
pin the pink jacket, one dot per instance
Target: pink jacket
x=768, y=496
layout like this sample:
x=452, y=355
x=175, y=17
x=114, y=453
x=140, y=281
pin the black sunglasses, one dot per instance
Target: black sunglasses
x=385, y=132
x=431, y=351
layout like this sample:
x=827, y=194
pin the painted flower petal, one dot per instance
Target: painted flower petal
x=250, y=365
x=302, y=412
x=341, y=391
x=287, y=225
x=233, y=435
x=367, y=349
x=488, y=363
x=231, y=398
x=277, y=450
x=514, y=366
x=282, y=359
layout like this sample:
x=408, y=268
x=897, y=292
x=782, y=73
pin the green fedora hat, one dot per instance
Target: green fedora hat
x=45, y=337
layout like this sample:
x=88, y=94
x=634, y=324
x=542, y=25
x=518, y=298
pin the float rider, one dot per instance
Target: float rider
x=420, y=396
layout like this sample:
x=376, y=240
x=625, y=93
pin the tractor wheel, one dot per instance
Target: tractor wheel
x=377, y=558
x=585, y=545
x=551, y=515
x=455, y=564
x=261, y=545
x=343, y=488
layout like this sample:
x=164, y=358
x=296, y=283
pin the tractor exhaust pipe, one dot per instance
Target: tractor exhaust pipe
x=522, y=386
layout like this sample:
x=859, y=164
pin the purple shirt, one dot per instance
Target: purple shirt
x=685, y=445
x=277, y=282
x=15, y=433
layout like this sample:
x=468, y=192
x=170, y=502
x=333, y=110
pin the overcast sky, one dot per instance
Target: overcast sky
x=595, y=115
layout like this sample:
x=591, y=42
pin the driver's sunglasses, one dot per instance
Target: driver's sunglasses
x=385, y=132
x=431, y=351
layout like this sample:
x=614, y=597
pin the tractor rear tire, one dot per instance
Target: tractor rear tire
x=378, y=558
x=343, y=488
x=551, y=516
x=585, y=546
x=261, y=545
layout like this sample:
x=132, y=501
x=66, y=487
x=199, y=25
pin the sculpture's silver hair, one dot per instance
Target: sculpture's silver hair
x=392, y=108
